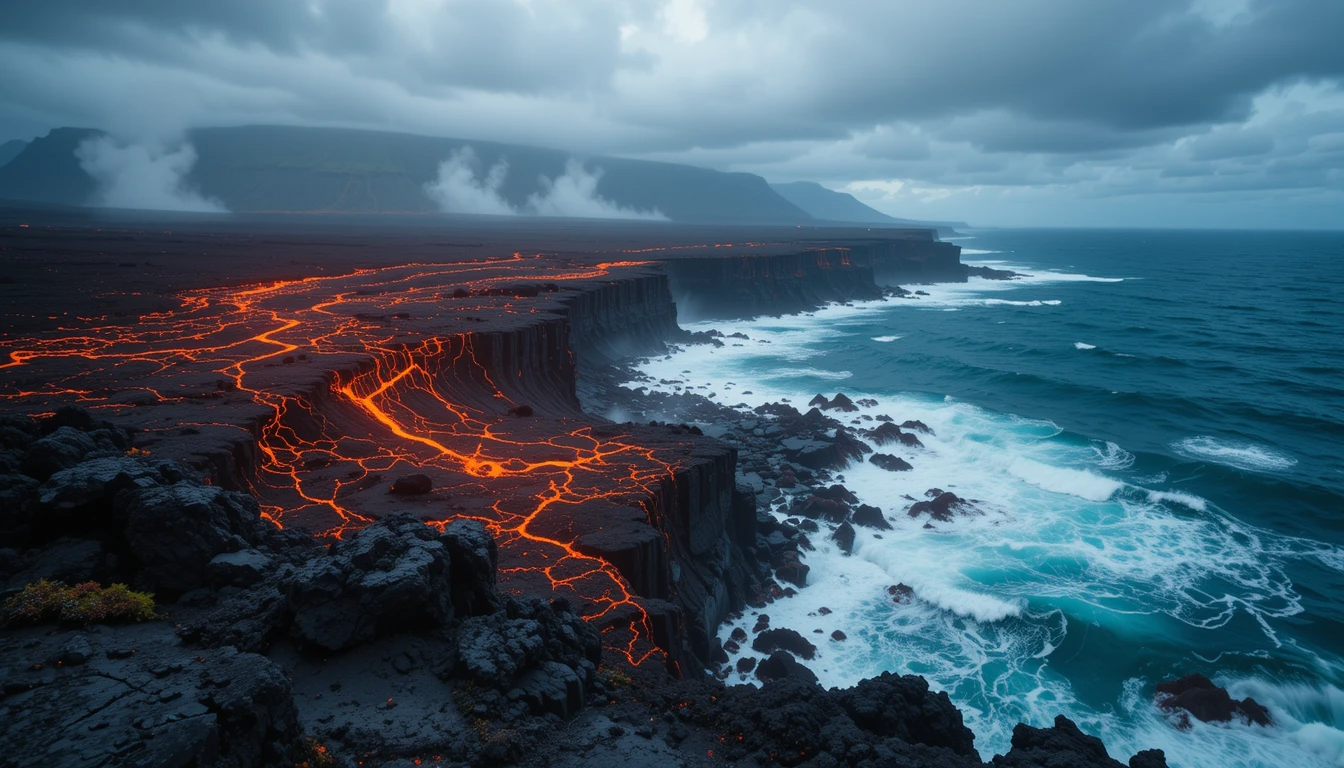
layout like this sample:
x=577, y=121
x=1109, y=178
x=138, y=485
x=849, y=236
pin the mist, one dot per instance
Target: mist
x=459, y=189
x=151, y=177
x=575, y=194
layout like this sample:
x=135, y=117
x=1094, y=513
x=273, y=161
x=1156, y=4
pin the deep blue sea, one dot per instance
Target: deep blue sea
x=1153, y=424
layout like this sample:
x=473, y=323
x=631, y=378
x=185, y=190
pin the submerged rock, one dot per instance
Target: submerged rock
x=871, y=517
x=890, y=463
x=1198, y=696
x=843, y=536
x=783, y=638
x=943, y=506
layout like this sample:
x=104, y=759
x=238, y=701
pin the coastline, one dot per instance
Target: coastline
x=266, y=598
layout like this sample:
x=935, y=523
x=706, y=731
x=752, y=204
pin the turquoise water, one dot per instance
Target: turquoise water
x=1153, y=423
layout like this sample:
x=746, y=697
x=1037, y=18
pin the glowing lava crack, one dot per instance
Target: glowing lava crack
x=337, y=385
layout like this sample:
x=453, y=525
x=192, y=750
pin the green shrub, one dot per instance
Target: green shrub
x=86, y=603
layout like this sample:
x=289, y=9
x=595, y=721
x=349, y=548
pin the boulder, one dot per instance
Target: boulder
x=782, y=666
x=1198, y=696
x=890, y=463
x=412, y=485
x=389, y=577
x=903, y=707
x=1064, y=745
x=82, y=495
x=870, y=517
x=62, y=449
x=843, y=536
x=239, y=569
x=783, y=639
x=836, y=493
x=815, y=507
x=840, y=402
x=901, y=594
x=174, y=531
x=943, y=506
x=474, y=555
x=886, y=433
x=917, y=426
x=504, y=650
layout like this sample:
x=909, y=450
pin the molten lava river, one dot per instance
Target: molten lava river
x=318, y=393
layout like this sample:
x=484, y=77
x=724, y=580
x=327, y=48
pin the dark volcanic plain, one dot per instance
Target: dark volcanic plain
x=357, y=463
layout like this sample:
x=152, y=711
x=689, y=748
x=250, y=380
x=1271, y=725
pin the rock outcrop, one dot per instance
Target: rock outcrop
x=1196, y=695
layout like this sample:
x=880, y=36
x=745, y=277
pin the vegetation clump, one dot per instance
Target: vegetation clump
x=87, y=603
x=316, y=755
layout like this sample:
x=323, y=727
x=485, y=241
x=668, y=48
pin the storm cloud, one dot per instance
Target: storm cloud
x=1221, y=108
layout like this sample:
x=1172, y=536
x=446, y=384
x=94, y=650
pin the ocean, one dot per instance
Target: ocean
x=1152, y=423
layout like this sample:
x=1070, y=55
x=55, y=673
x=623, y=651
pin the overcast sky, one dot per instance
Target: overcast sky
x=1029, y=112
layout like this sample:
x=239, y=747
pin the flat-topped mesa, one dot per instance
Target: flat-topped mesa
x=318, y=395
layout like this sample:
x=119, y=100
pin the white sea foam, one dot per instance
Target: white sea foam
x=815, y=373
x=885, y=339
x=1110, y=456
x=1241, y=455
x=1056, y=530
x=1011, y=303
x=976, y=251
x=1178, y=497
x=1074, y=482
x=1081, y=345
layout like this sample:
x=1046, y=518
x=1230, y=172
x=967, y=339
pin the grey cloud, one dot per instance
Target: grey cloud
x=1094, y=97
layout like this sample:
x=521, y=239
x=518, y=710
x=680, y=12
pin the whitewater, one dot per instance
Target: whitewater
x=1161, y=493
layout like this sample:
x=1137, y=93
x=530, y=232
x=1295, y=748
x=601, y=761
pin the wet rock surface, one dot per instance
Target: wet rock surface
x=1197, y=696
x=1062, y=744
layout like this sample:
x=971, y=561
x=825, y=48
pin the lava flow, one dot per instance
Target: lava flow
x=342, y=384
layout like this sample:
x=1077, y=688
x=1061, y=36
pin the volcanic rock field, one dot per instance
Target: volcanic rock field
x=361, y=469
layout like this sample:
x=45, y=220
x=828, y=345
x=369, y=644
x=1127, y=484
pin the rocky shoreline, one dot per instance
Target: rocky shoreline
x=388, y=647
x=435, y=630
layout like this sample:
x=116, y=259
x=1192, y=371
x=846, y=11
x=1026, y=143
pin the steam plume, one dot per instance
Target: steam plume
x=573, y=194
x=143, y=176
x=457, y=189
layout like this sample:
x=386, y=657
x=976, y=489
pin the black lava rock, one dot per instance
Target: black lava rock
x=174, y=531
x=1197, y=695
x=782, y=666
x=412, y=485
x=890, y=463
x=786, y=639
x=871, y=517
x=474, y=555
x=388, y=577
x=1066, y=746
x=844, y=538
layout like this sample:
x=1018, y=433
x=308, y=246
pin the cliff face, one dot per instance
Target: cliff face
x=750, y=285
x=896, y=262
